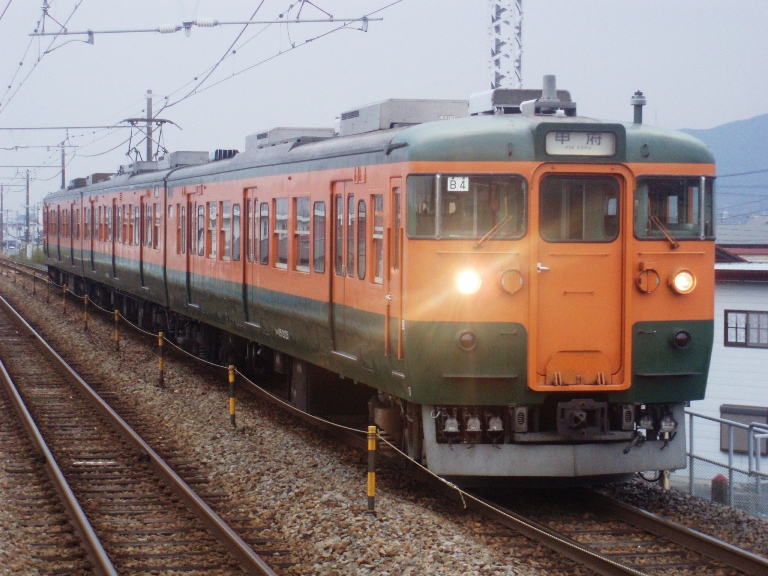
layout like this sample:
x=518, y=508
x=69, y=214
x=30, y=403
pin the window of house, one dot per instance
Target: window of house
x=301, y=233
x=747, y=329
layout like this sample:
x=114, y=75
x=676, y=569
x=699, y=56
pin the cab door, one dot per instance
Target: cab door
x=578, y=341
x=394, y=316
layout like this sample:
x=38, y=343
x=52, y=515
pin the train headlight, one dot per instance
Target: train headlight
x=468, y=282
x=682, y=281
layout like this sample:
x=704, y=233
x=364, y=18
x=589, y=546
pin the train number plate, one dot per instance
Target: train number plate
x=458, y=183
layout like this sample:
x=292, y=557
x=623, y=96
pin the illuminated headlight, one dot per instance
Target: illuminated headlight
x=468, y=282
x=682, y=281
x=667, y=424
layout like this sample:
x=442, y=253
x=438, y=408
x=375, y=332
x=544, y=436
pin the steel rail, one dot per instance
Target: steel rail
x=559, y=543
x=93, y=548
x=236, y=546
x=702, y=543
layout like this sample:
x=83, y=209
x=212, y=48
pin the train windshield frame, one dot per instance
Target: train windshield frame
x=673, y=206
x=466, y=206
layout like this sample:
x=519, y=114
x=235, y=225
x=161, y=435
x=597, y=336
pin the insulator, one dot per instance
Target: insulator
x=206, y=22
x=169, y=29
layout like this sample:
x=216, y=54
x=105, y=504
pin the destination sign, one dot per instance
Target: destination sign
x=567, y=143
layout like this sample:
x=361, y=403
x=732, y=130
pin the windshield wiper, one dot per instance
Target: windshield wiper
x=493, y=231
x=671, y=239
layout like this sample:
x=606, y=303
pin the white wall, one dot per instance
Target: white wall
x=736, y=375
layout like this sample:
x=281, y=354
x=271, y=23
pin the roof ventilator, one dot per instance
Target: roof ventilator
x=224, y=154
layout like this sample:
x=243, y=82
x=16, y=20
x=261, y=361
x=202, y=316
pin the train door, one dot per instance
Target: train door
x=196, y=244
x=143, y=218
x=251, y=260
x=343, y=248
x=89, y=216
x=394, y=315
x=116, y=227
x=578, y=279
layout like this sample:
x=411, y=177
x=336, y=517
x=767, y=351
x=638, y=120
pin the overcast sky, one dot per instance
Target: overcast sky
x=700, y=63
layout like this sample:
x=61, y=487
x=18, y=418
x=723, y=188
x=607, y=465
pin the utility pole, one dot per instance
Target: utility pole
x=506, y=43
x=63, y=167
x=26, y=229
x=149, y=125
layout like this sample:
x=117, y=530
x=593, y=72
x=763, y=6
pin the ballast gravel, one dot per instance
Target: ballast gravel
x=308, y=487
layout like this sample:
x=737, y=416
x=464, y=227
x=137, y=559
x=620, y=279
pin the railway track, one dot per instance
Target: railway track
x=613, y=538
x=591, y=531
x=143, y=515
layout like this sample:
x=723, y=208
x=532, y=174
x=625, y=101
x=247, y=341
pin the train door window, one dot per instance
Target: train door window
x=378, y=238
x=156, y=233
x=249, y=230
x=87, y=224
x=281, y=232
x=339, y=238
x=318, y=237
x=301, y=233
x=396, y=199
x=226, y=230
x=236, y=232
x=77, y=223
x=136, y=225
x=200, y=229
x=579, y=209
x=181, y=239
x=264, y=231
x=118, y=224
x=108, y=215
x=64, y=218
x=210, y=237
x=351, y=235
x=362, y=237
x=148, y=226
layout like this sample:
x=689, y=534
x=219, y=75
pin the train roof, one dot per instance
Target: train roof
x=423, y=131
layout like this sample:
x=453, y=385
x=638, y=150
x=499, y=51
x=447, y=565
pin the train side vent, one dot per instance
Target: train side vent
x=224, y=154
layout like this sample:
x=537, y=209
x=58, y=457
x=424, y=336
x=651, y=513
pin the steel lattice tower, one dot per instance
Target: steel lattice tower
x=506, y=43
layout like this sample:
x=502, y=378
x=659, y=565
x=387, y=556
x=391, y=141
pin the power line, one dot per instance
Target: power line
x=5, y=9
x=743, y=173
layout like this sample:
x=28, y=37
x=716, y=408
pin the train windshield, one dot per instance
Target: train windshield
x=466, y=206
x=674, y=207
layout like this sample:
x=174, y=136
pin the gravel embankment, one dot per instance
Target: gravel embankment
x=311, y=489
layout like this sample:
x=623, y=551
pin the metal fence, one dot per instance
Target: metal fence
x=727, y=483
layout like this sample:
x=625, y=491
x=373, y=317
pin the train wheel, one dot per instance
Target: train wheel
x=413, y=433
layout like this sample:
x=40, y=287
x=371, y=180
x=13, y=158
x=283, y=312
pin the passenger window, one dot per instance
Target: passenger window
x=281, y=232
x=378, y=239
x=264, y=239
x=351, y=235
x=361, y=239
x=236, y=232
x=318, y=234
x=301, y=233
x=226, y=229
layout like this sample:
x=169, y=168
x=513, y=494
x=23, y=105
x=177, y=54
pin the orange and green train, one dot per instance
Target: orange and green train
x=508, y=289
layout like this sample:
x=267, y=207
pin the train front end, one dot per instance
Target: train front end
x=558, y=292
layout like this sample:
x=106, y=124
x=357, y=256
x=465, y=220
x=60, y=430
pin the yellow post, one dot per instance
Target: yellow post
x=161, y=358
x=232, y=395
x=372, y=470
